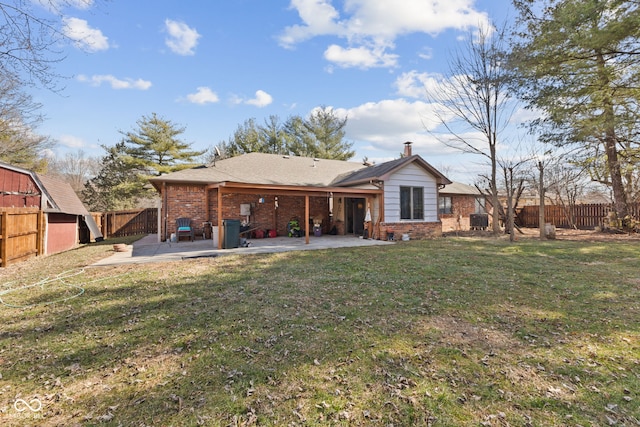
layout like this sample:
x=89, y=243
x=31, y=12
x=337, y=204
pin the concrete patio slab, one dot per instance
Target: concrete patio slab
x=149, y=249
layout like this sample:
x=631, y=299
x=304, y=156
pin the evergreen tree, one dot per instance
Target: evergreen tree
x=152, y=149
x=321, y=135
x=114, y=187
x=577, y=61
x=272, y=136
x=246, y=139
x=300, y=142
x=327, y=131
x=155, y=147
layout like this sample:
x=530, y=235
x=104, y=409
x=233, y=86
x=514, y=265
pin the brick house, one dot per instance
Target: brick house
x=457, y=204
x=267, y=191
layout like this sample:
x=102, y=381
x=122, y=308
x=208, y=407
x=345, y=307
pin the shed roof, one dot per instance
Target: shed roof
x=58, y=194
x=61, y=196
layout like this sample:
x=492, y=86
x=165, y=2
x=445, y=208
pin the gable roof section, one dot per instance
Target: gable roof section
x=273, y=169
x=58, y=196
x=62, y=198
x=382, y=172
x=19, y=187
x=265, y=169
x=460, y=189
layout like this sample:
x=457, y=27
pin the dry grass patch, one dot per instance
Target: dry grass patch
x=444, y=332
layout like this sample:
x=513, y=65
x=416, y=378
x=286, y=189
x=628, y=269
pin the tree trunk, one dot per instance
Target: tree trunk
x=495, y=201
x=610, y=141
x=541, y=218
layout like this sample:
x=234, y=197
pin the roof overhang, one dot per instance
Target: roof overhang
x=244, y=188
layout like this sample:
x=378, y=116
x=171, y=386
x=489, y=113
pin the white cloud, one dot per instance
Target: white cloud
x=71, y=141
x=417, y=85
x=427, y=53
x=262, y=99
x=83, y=36
x=377, y=24
x=361, y=57
x=182, y=38
x=115, y=83
x=387, y=121
x=204, y=95
x=319, y=19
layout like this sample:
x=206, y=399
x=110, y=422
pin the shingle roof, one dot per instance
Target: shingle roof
x=383, y=170
x=266, y=169
x=273, y=169
x=58, y=194
x=62, y=196
x=459, y=188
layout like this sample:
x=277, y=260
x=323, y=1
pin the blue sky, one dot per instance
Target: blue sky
x=210, y=65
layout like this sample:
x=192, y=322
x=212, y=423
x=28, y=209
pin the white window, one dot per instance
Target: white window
x=411, y=202
x=444, y=205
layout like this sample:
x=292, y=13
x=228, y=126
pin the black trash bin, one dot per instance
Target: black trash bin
x=231, y=233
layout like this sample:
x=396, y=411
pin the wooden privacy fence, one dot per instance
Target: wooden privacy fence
x=21, y=234
x=22, y=230
x=127, y=223
x=585, y=217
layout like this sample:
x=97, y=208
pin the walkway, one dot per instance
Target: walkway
x=148, y=249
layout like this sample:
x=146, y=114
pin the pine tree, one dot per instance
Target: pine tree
x=155, y=147
x=577, y=61
x=328, y=133
x=114, y=187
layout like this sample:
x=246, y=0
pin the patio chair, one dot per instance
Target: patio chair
x=184, y=228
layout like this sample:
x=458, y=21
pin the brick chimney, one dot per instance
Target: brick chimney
x=407, y=148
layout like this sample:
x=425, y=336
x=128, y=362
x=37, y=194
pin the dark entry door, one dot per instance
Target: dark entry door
x=355, y=213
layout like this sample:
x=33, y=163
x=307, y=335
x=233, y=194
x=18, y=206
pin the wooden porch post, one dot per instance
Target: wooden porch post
x=369, y=224
x=306, y=216
x=220, y=227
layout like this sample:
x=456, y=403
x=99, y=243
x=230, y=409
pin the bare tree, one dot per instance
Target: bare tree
x=19, y=143
x=514, y=179
x=29, y=46
x=475, y=108
x=75, y=168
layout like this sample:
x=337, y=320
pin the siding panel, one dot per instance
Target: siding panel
x=410, y=176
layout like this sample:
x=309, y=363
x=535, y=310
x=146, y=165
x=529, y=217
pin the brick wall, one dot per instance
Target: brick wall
x=190, y=201
x=185, y=201
x=264, y=213
x=415, y=230
x=458, y=220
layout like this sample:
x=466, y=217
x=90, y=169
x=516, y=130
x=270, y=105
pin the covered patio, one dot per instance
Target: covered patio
x=149, y=249
x=334, y=210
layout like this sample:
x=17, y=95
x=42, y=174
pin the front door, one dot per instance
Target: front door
x=354, y=215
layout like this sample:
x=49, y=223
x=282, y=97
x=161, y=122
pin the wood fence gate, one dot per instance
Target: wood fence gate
x=21, y=234
x=127, y=223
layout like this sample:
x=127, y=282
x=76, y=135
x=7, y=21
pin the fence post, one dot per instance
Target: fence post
x=40, y=227
x=3, y=243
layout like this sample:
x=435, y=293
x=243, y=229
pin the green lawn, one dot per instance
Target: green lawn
x=447, y=332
